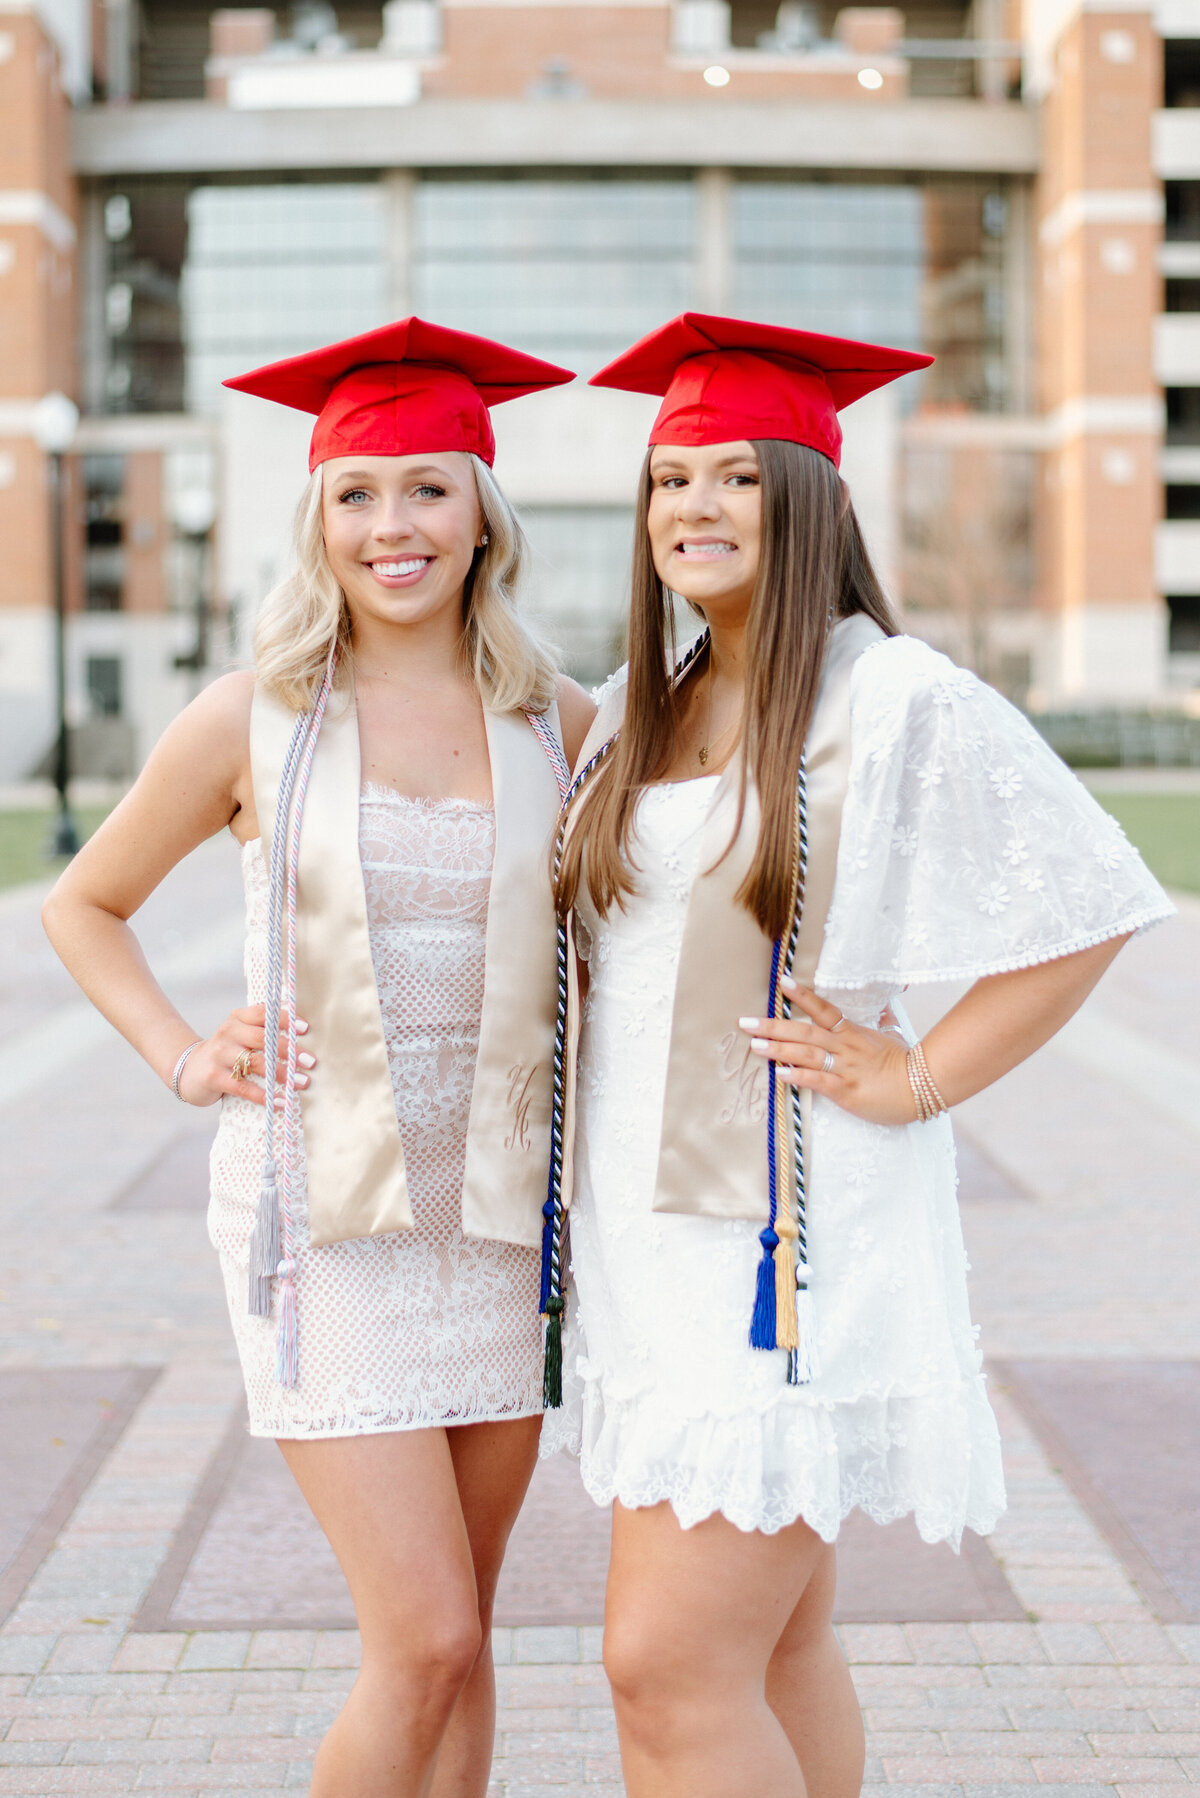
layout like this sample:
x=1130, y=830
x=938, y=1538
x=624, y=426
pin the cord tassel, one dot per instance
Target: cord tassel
x=804, y=1357
x=762, y=1324
x=287, y=1342
x=552, y=1372
x=264, y=1243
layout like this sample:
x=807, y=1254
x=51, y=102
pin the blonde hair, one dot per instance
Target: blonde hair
x=302, y=618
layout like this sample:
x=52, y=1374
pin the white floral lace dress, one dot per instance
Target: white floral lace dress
x=966, y=848
x=422, y=1327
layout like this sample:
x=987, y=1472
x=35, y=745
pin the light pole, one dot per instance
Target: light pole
x=55, y=421
x=194, y=512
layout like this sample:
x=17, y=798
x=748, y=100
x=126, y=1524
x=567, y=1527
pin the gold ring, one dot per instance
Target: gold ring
x=241, y=1066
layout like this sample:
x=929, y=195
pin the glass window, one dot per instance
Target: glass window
x=572, y=270
x=917, y=264
x=577, y=591
x=272, y=271
x=103, y=675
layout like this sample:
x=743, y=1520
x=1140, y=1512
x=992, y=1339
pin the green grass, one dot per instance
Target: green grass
x=1166, y=828
x=23, y=839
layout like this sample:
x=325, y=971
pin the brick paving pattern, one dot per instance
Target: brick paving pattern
x=1083, y=1237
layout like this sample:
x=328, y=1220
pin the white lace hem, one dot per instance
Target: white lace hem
x=936, y=1457
x=353, y=1423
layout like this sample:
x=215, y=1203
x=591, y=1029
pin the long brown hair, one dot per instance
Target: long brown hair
x=813, y=568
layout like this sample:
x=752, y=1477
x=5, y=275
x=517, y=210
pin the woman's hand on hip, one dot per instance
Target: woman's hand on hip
x=861, y=1070
x=231, y=1063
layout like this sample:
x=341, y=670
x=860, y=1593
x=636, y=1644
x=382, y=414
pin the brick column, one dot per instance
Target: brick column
x=1099, y=213
x=37, y=302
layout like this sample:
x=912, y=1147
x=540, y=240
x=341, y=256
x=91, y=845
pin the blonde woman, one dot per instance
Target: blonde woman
x=376, y=1190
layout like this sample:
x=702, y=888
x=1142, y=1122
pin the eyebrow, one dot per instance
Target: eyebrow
x=669, y=465
x=364, y=476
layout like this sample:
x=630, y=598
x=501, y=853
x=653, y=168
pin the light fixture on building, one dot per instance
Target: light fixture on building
x=54, y=424
x=716, y=76
x=870, y=78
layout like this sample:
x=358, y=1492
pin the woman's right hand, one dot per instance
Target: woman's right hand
x=208, y=1071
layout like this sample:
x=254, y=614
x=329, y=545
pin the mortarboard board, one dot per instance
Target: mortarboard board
x=402, y=390
x=725, y=380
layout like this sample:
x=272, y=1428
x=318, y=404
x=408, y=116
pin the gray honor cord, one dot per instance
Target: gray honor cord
x=264, y=1243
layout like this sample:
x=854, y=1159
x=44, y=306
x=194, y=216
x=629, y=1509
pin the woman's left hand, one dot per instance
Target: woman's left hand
x=863, y=1071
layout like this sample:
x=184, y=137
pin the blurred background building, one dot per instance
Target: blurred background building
x=187, y=191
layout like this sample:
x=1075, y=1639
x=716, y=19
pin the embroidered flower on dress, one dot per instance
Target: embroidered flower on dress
x=995, y=899
x=905, y=839
x=1110, y=855
x=1006, y=783
x=1015, y=852
x=930, y=776
x=1032, y=879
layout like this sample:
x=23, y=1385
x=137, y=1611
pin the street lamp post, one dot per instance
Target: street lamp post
x=194, y=512
x=55, y=421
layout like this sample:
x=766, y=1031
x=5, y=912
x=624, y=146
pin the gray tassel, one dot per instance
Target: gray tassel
x=264, y=1245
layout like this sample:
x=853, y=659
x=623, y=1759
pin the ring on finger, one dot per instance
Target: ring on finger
x=241, y=1067
x=827, y=1064
x=842, y=1020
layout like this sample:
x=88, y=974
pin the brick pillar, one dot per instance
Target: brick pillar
x=37, y=304
x=1099, y=213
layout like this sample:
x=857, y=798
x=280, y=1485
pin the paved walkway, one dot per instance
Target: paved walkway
x=1084, y=1245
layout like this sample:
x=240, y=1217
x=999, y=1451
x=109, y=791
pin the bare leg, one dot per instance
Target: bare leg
x=693, y=1619
x=810, y=1690
x=493, y=1464
x=390, y=1507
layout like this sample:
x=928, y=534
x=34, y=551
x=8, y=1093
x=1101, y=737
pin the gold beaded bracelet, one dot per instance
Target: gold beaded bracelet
x=928, y=1099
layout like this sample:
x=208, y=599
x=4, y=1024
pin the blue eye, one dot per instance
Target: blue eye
x=353, y=493
x=427, y=490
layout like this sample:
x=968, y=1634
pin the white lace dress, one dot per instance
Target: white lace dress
x=966, y=848
x=422, y=1327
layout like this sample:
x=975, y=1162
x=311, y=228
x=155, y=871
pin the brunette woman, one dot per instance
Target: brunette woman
x=376, y=1213
x=769, y=1324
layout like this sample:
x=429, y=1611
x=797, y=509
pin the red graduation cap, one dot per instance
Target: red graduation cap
x=726, y=380
x=402, y=390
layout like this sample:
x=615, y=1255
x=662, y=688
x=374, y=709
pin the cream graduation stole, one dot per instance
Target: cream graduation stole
x=716, y=1111
x=353, y=1154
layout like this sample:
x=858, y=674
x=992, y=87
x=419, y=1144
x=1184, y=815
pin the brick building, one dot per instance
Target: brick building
x=186, y=191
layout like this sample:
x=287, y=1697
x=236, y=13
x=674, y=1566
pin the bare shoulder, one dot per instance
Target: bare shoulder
x=576, y=709
x=224, y=704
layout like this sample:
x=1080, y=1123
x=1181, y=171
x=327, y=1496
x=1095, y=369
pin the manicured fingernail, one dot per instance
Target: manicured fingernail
x=760, y=1043
x=306, y=1061
x=792, y=986
x=301, y=1079
x=748, y=1023
x=301, y=1026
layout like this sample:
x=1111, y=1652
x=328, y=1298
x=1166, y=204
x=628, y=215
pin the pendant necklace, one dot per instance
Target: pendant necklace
x=708, y=722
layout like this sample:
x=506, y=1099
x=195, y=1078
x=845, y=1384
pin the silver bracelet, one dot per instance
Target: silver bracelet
x=179, y=1067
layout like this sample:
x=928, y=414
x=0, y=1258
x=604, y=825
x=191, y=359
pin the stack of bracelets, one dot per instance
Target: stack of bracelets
x=929, y=1100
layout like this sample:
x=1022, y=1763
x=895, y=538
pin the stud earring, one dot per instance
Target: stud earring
x=484, y=541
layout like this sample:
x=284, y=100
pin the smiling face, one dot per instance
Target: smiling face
x=400, y=533
x=705, y=524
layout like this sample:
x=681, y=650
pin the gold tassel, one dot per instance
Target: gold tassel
x=787, y=1335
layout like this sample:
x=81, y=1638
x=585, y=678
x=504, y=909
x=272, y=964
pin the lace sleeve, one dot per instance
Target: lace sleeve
x=967, y=848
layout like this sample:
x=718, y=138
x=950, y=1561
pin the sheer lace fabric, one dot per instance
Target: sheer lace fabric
x=966, y=849
x=665, y=1399
x=422, y=1327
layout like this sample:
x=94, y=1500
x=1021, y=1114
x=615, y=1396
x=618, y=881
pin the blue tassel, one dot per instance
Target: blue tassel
x=762, y=1324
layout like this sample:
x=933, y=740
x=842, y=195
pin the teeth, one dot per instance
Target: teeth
x=706, y=549
x=395, y=569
